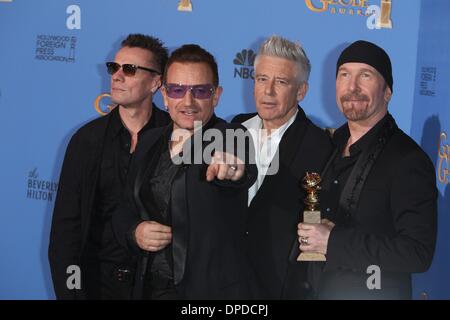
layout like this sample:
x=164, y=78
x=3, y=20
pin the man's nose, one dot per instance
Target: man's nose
x=354, y=85
x=188, y=98
x=118, y=76
x=269, y=88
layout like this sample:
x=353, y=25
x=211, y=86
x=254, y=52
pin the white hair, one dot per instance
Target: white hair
x=276, y=46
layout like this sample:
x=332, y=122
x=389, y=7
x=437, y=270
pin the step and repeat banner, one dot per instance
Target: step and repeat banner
x=431, y=128
x=53, y=80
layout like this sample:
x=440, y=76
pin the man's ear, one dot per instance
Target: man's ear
x=156, y=84
x=302, y=90
x=387, y=94
x=165, y=98
x=216, y=96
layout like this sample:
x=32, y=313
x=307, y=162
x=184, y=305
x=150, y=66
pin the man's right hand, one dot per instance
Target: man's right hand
x=152, y=236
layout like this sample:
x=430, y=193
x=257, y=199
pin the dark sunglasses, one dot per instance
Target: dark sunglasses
x=199, y=91
x=128, y=69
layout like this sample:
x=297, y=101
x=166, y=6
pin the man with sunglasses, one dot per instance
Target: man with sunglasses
x=93, y=175
x=182, y=214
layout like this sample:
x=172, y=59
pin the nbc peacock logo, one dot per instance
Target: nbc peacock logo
x=244, y=61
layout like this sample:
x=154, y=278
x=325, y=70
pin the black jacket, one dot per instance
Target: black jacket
x=392, y=226
x=207, y=223
x=278, y=207
x=75, y=199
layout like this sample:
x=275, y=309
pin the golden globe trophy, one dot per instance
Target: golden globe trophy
x=385, y=19
x=311, y=214
x=185, y=5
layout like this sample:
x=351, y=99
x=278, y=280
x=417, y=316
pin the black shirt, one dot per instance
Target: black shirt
x=336, y=175
x=115, y=162
x=156, y=196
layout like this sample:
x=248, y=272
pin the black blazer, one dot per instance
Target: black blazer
x=75, y=199
x=208, y=223
x=277, y=208
x=393, y=227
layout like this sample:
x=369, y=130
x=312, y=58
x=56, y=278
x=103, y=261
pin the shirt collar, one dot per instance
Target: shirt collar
x=257, y=123
x=117, y=125
x=342, y=135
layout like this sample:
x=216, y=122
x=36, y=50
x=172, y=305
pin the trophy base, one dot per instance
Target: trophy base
x=311, y=217
x=385, y=25
x=311, y=256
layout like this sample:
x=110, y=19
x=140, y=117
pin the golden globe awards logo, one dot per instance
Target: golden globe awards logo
x=350, y=7
x=378, y=16
x=102, y=104
x=444, y=160
x=38, y=189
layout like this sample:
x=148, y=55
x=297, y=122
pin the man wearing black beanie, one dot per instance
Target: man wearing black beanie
x=379, y=197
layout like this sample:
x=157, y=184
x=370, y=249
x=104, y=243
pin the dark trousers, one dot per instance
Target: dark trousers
x=108, y=281
x=158, y=287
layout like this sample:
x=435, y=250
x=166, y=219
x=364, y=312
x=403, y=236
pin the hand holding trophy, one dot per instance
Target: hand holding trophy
x=311, y=214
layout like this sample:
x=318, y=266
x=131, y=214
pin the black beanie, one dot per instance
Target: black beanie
x=371, y=54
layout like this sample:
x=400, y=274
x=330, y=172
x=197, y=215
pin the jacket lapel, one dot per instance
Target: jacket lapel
x=287, y=150
x=147, y=165
x=95, y=162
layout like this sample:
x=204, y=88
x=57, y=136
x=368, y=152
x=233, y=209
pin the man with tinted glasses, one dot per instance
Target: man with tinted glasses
x=94, y=172
x=182, y=214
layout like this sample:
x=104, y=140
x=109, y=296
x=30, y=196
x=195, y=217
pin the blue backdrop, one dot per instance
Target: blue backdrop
x=52, y=80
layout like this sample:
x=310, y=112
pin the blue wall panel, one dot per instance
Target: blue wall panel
x=50, y=76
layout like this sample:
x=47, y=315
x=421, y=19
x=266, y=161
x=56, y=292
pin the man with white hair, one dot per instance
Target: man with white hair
x=287, y=145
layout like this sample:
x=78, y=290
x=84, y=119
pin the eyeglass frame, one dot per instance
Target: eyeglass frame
x=134, y=66
x=186, y=87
